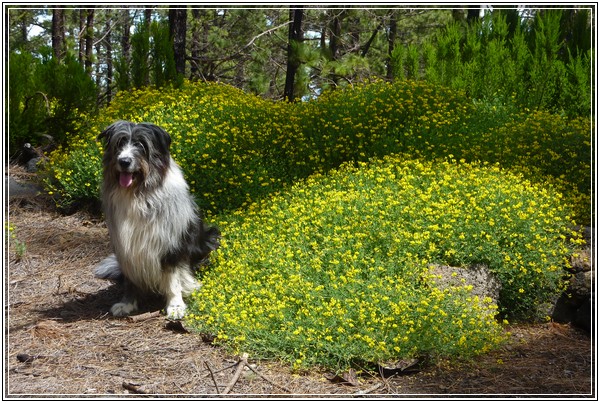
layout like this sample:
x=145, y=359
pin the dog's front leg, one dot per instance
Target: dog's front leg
x=178, y=283
x=173, y=293
x=128, y=303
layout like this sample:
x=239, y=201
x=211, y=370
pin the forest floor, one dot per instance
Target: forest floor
x=60, y=341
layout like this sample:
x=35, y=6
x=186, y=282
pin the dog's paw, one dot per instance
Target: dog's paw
x=176, y=312
x=123, y=308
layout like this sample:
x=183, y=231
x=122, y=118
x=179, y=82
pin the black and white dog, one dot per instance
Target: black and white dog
x=156, y=232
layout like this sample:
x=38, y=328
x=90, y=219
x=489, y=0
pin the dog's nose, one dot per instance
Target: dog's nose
x=125, y=162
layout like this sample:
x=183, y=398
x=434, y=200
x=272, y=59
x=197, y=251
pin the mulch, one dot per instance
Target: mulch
x=60, y=340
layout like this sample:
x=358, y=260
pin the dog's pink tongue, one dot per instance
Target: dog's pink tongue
x=125, y=179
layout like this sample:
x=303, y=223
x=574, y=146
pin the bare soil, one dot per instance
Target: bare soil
x=60, y=341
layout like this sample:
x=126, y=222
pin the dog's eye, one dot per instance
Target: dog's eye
x=140, y=145
x=122, y=142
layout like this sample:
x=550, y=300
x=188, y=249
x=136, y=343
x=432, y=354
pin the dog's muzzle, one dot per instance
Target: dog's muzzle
x=125, y=177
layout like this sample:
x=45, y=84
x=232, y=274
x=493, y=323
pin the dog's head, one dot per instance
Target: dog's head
x=135, y=154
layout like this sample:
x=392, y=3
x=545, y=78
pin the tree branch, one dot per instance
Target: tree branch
x=371, y=39
x=237, y=53
x=40, y=93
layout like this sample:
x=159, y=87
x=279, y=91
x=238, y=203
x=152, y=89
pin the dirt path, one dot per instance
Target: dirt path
x=60, y=340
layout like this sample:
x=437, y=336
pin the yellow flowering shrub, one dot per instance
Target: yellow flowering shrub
x=434, y=122
x=334, y=271
x=236, y=148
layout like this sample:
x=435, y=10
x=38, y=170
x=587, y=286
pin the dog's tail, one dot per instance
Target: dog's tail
x=212, y=237
x=208, y=241
x=109, y=269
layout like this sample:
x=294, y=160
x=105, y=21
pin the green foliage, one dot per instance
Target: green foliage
x=502, y=57
x=548, y=70
x=26, y=110
x=72, y=92
x=140, y=49
x=163, y=59
x=45, y=97
x=152, y=59
x=335, y=270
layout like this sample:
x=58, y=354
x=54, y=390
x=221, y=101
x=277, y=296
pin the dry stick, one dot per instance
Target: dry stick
x=213, y=377
x=268, y=380
x=134, y=388
x=143, y=316
x=178, y=387
x=227, y=367
x=369, y=390
x=241, y=364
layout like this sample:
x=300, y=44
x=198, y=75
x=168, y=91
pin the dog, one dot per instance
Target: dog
x=157, y=235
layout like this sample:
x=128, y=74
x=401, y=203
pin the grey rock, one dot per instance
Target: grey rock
x=14, y=188
x=32, y=164
x=575, y=305
x=484, y=283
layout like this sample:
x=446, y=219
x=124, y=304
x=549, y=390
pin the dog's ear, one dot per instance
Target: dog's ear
x=110, y=131
x=106, y=134
x=163, y=139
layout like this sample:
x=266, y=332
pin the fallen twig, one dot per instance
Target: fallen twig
x=268, y=380
x=24, y=357
x=134, y=388
x=241, y=364
x=369, y=390
x=213, y=377
x=143, y=316
x=227, y=367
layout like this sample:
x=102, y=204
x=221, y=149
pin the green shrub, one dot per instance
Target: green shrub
x=335, y=270
x=27, y=109
x=502, y=56
x=45, y=98
x=374, y=119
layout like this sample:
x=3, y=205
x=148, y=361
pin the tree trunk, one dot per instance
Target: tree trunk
x=473, y=14
x=58, y=33
x=334, y=37
x=124, y=81
x=194, y=70
x=148, y=17
x=146, y=57
x=367, y=46
x=295, y=37
x=24, y=28
x=177, y=32
x=109, y=63
x=89, y=40
x=81, y=50
x=391, y=43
